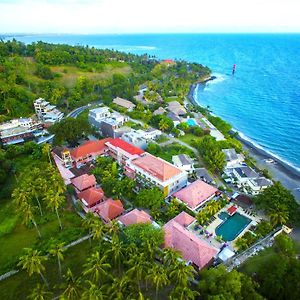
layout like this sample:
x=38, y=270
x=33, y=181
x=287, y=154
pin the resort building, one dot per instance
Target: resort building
x=243, y=174
x=159, y=111
x=135, y=216
x=176, y=119
x=232, y=158
x=124, y=103
x=47, y=113
x=259, y=184
x=109, y=209
x=89, y=151
x=194, y=250
x=91, y=197
x=135, y=138
x=176, y=108
x=202, y=173
x=183, y=162
x=122, y=151
x=63, y=155
x=150, y=171
x=112, y=128
x=97, y=115
x=150, y=133
x=83, y=182
x=196, y=194
x=19, y=130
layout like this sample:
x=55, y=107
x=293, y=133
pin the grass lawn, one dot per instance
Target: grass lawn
x=252, y=264
x=190, y=139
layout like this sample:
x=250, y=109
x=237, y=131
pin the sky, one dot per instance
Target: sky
x=151, y=16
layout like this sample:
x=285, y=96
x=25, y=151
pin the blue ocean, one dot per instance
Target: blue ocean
x=262, y=100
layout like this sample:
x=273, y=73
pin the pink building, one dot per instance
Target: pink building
x=135, y=216
x=196, y=194
x=193, y=249
x=83, y=182
x=109, y=209
x=91, y=196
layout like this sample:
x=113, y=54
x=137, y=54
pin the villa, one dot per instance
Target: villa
x=259, y=184
x=202, y=173
x=89, y=151
x=124, y=103
x=151, y=171
x=135, y=216
x=91, y=197
x=109, y=209
x=196, y=194
x=135, y=138
x=183, y=162
x=193, y=249
x=232, y=158
x=243, y=174
x=159, y=111
x=83, y=182
x=122, y=151
x=176, y=108
x=47, y=113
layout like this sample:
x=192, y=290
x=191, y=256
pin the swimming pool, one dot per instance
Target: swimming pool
x=232, y=226
x=191, y=122
x=223, y=215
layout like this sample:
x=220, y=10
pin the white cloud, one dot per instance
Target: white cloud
x=119, y=16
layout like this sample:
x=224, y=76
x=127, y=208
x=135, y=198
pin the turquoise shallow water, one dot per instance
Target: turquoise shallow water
x=262, y=100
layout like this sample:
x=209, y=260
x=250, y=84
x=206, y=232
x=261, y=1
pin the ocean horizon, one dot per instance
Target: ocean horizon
x=262, y=99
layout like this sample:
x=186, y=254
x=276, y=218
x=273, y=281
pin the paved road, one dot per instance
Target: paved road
x=74, y=113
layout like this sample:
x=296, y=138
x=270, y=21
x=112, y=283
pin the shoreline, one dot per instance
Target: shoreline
x=279, y=171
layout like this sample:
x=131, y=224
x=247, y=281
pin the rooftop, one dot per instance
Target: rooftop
x=184, y=159
x=110, y=209
x=123, y=102
x=156, y=167
x=230, y=154
x=196, y=193
x=118, y=143
x=135, y=216
x=246, y=172
x=91, y=196
x=84, y=181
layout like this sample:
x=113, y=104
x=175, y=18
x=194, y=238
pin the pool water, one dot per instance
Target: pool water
x=191, y=122
x=223, y=215
x=232, y=226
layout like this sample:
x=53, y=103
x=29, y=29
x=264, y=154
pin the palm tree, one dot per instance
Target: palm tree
x=120, y=287
x=88, y=222
x=136, y=270
x=158, y=276
x=98, y=230
x=116, y=252
x=73, y=287
x=40, y=293
x=183, y=293
x=96, y=267
x=57, y=250
x=46, y=151
x=181, y=274
x=54, y=202
x=32, y=262
x=93, y=292
x=26, y=211
x=163, y=125
x=279, y=216
x=19, y=196
x=170, y=256
x=113, y=228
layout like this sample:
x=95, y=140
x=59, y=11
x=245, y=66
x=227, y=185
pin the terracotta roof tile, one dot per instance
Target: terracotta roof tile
x=126, y=146
x=135, y=216
x=84, y=182
x=110, y=209
x=196, y=193
x=91, y=196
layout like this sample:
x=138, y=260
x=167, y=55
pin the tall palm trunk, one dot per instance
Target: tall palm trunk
x=58, y=218
x=156, y=292
x=39, y=204
x=44, y=279
x=59, y=266
x=39, y=233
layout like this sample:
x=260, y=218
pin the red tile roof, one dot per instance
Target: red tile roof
x=135, y=216
x=110, y=209
x=91, y=196
x=231, y=210
x=191, y=246
x=84, y=182
x=156, y=167
x=126, y=147
x=90, y=147
x=196, y=193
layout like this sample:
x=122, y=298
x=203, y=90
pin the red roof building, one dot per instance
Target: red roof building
x=192, y=248
x=232, y=210
x=91, y=196
x=83, y=182
x=135, y=216
x=109, y=209
x=122, y=151
x=89, y=151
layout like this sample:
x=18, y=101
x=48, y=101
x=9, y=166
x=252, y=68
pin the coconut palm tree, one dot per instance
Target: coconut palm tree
x=278, y=216
x=54, y=202
x=158, y=276
x=98, y=230
x=170, y=256
x=26, y=211
x=46, y=151
x=163, y=125
x=96, y=267
x=183, y=293
x=88, y=222
x=120, y=288
x=57, y=250
x=40, y=293
x=181, y=274
x=19, y=196
x=73, y=287
x=116, y=252
x=32, y=262
x=113, y=228
x=93, y=292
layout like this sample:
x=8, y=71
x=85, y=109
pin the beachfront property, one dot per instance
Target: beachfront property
x=176, y=108
x=20, y=130
x=202, y=174
x=129, y=106
x=232, y=158
x=135, y=138
x=175, y=118
x=195, y=250
x=83, y=182
x=214, y=132
x=122, y=151
x=259, y=184
x=151, y=171
x=243, y=174
x=135, y=216
x=47, y=113
x=183, y=162
x=196, y=194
